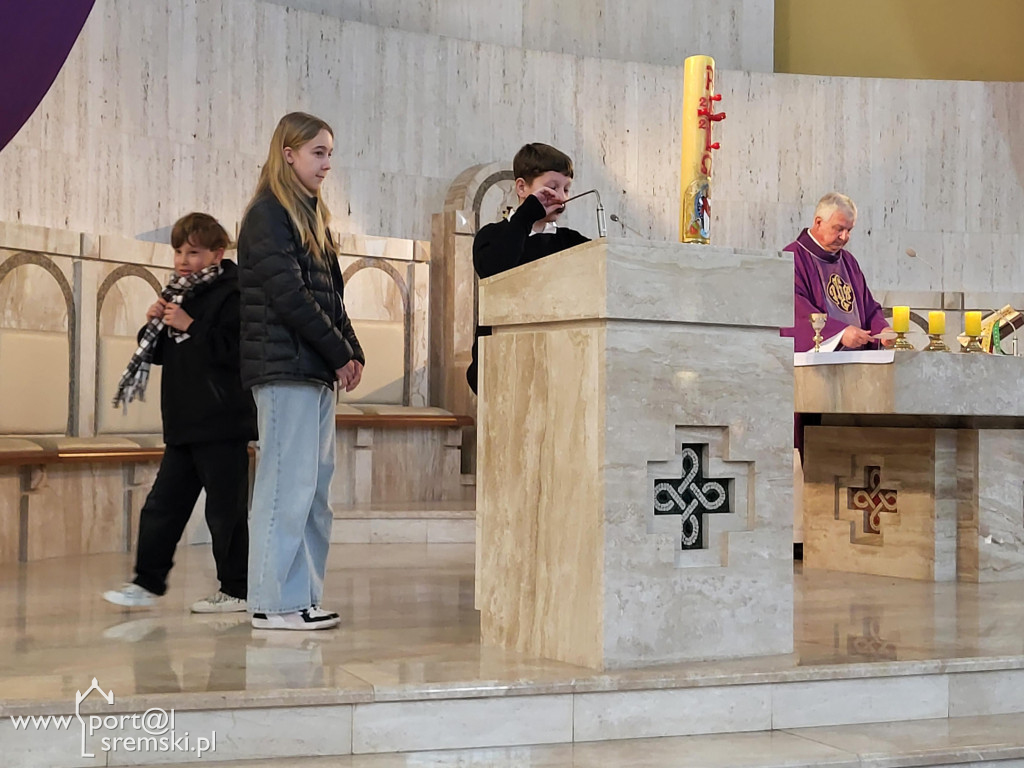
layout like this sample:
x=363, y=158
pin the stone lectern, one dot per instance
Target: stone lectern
x=634, y=484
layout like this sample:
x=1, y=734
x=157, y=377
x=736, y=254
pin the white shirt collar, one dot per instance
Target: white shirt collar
x=815, y=240
x=817, y=243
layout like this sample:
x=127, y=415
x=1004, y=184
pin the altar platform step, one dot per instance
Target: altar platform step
x=936, y=666
x=423, y=522
x=995, y=741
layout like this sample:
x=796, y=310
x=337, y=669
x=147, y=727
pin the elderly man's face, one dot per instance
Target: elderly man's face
x=834, y=233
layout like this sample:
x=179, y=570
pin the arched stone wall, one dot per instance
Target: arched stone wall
x=37, y=332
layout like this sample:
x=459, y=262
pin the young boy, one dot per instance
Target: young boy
x=543, y=178
x=208, y=419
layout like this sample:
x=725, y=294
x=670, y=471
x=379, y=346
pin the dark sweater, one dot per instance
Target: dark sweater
x=201, y=395
x=504, y=245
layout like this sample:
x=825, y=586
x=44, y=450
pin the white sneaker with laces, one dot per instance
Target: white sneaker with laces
x=304, y=621
x=219, y=602
x=131, y=596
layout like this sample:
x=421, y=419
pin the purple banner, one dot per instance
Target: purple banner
x=35, y=39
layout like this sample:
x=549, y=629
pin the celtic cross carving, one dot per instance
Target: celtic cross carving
x=692, y=496
x=872, y=500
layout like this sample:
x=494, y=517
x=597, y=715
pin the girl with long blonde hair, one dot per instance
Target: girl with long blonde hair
x=297, y=343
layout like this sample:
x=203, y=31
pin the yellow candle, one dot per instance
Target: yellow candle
x=936, y=323
x=901, y=319
x=972, y=324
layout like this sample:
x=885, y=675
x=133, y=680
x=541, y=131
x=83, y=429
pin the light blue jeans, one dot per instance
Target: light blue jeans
x=290, y=520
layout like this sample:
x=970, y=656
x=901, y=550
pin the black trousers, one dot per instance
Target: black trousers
x=222, y=469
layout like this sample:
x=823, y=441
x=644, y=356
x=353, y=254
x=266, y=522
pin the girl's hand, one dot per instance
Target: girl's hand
x=176, y=317
x=357, y=377
x=349, y=375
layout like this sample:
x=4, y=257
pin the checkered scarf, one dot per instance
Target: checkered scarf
x=136, y=375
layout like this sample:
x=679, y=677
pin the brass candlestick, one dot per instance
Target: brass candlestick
x=973, y=345
x=936, y=344
x=818, y=320
x=901, y=342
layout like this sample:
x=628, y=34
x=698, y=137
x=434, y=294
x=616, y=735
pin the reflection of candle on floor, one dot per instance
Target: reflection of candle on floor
x=901, y=319
x=972, y=323
x=936, y=323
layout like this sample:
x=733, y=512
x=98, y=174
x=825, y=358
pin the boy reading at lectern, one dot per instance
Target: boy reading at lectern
x=543, y=178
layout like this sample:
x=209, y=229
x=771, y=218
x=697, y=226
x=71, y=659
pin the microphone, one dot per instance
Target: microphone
x=602, y=226
x=614, y=217
x=913, y=254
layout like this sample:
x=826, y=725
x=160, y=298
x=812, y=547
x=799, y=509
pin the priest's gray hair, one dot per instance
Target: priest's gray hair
x=832, y=202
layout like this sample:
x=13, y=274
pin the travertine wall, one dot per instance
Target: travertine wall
x=72, y=303
x=738, y=33
x=140, y=127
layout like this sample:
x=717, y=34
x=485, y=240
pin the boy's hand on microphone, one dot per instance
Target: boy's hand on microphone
x=550, y=199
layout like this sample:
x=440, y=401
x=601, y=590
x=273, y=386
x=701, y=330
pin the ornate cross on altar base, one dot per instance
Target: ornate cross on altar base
x=692, y=496
x=869, y=501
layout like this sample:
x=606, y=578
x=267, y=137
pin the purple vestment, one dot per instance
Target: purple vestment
x=833, y=284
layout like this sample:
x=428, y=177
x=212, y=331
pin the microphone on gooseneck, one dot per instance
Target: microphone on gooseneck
x=602, y=225
x=913, y=254
x=625, y=227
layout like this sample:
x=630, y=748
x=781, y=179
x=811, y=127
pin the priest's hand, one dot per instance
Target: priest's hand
x=855, y=338
x=887, y=342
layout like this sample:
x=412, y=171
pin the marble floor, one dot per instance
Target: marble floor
x=410, y=638
x=408, y=623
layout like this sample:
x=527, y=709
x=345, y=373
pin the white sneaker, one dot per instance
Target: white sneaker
x=219, y=602
x=131, y=596
x=305, y=620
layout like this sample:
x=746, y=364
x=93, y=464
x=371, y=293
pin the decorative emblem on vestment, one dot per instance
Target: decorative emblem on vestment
x=840, y=293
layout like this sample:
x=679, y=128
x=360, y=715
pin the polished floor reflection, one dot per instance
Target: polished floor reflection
x=408, y=624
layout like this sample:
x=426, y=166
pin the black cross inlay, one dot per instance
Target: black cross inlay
x=692, y=496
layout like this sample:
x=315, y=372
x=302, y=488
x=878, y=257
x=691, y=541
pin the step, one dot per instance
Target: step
x=406, y=673
x=941, y=712
x=991, y=741
x=429, y=522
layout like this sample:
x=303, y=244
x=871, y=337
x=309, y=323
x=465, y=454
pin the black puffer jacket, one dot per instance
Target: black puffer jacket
x=294, y=324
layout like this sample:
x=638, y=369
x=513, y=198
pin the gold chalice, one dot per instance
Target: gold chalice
x=818, y=320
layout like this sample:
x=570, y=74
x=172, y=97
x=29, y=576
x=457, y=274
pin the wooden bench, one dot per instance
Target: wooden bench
x=62, y=496
x=394, y=455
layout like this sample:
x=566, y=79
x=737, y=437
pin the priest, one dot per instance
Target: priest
x=829, y=280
